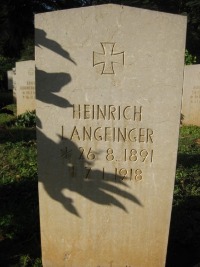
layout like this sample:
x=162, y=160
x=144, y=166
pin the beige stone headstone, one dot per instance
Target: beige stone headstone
x=10, y=79
x=191, y=95
x=109, y=84
x=14, y=85
x=25, y=86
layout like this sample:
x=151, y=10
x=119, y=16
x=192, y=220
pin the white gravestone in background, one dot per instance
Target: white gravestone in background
x=14, y=85
x=109, y=84
x=10, y=79
x=191, y=95
x=25, y=86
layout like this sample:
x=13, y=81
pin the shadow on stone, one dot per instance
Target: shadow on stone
x=102, y=188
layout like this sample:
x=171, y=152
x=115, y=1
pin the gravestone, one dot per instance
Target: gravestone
x=25, y=86
x=109, y=84
x=10, y=79
x=191, y=95
x=14, y=85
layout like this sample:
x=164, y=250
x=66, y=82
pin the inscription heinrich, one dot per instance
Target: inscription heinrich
x=107, y=58
x=107, y=112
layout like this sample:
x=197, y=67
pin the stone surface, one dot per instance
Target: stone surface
x=14, y=85
x=10, y=79
x=191, y=95
x=25, y=86
x=109, y=85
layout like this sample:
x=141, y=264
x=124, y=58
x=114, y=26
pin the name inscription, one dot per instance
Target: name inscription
x=134, y=138
x=28, y=91
x=107, y=112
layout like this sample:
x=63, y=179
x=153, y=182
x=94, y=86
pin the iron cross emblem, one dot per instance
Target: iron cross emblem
x=108, y=58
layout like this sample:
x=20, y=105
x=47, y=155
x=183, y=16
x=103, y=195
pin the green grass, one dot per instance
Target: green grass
x=188, y=164
x=7, y=115
x=184, y=239
x=18, y=162
x=19, y=214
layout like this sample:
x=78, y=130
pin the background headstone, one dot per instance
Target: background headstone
x=109, y=85
x=191, y=95
x=14, y=86
x=25, y=86
x=10, y=79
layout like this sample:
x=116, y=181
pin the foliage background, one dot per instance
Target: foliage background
x=17, y=24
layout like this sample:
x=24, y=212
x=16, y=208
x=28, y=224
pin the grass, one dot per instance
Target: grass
x=7, y=114
x=19, y=214
x=184, y=238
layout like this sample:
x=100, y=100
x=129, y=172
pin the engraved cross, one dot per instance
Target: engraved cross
x=108, y=58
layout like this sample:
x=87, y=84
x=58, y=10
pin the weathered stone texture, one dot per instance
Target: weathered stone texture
x=109, y=84
x=25, y=86
x=191, y=95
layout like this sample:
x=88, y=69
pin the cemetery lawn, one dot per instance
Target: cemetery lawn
x=19, y=212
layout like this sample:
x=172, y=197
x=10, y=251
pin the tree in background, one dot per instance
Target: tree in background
x=17, y=28
x=16, y=25
x=17, y=21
